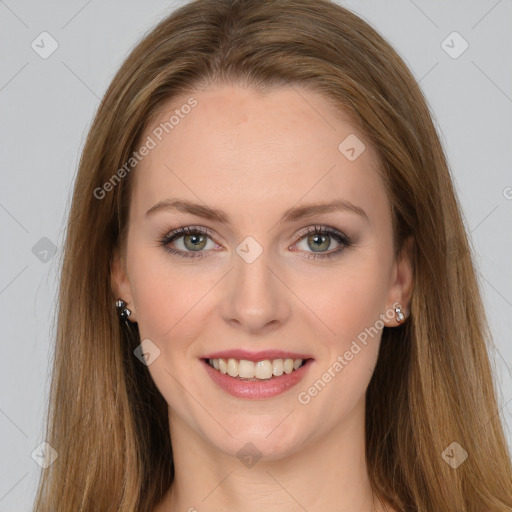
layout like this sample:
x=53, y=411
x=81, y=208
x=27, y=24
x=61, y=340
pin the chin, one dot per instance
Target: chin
x=265, y=440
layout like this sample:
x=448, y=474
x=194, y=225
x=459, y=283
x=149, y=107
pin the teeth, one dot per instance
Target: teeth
x=245, y=369
x=223, y=367
x=277, y=367
x=262, y=370
x=232, y=367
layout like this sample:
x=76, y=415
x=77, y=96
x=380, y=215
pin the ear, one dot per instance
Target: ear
x=402, y=282
x=120, y=283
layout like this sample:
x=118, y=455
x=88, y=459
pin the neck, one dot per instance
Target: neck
x=328, y=473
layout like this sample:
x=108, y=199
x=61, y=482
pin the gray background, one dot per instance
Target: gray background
x=47, y=106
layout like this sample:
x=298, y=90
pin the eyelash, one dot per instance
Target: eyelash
x=196, y=230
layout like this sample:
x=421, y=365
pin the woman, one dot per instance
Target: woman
x=268, y=298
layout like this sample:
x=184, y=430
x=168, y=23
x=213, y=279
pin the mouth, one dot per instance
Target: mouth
x=254, y=371
x=257, y=376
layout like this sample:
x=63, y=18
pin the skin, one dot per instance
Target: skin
x=255, y=156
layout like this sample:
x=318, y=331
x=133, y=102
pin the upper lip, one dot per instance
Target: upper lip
x=256, y=356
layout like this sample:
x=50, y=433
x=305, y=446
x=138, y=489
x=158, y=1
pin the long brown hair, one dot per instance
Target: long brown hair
x=433, y=384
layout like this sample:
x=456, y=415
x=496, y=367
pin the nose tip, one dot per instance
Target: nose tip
x=256, y=298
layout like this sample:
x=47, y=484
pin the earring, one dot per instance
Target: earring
x=400, y=317
x=123, y=311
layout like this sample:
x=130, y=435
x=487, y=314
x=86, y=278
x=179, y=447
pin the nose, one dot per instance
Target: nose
x=257, y=299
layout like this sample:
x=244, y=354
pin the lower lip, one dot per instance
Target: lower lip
x=258, y=390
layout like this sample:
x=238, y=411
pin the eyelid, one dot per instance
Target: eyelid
x=340, y=237
x=182, y=230
x=321, y=228
x=185, y=230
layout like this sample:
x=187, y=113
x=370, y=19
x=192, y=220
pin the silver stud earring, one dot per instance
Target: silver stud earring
x=123, y=311
x=400, y=317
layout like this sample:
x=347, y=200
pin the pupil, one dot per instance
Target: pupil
x=195, y=240
x=318, y=240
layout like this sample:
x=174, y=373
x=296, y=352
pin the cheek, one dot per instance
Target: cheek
x=350, y=299
x=173, y=300
x=352, y=309
x=163, y=295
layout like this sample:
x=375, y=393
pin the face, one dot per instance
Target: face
x=260, y=273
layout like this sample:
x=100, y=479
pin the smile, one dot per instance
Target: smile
x=259, y=370
x=259, y=378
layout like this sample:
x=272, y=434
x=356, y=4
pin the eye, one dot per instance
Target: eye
x=319, y=239
x=194, y=240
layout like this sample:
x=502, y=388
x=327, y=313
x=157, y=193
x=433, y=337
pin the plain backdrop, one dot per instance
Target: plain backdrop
x=47, y=105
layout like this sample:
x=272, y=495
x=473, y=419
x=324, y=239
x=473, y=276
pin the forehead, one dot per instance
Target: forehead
x=238, y=149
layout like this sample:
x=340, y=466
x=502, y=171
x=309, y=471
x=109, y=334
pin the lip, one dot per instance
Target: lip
x=257, y=390
x=256, y=356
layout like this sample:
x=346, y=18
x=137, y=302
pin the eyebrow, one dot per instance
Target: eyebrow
x=291, y=215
